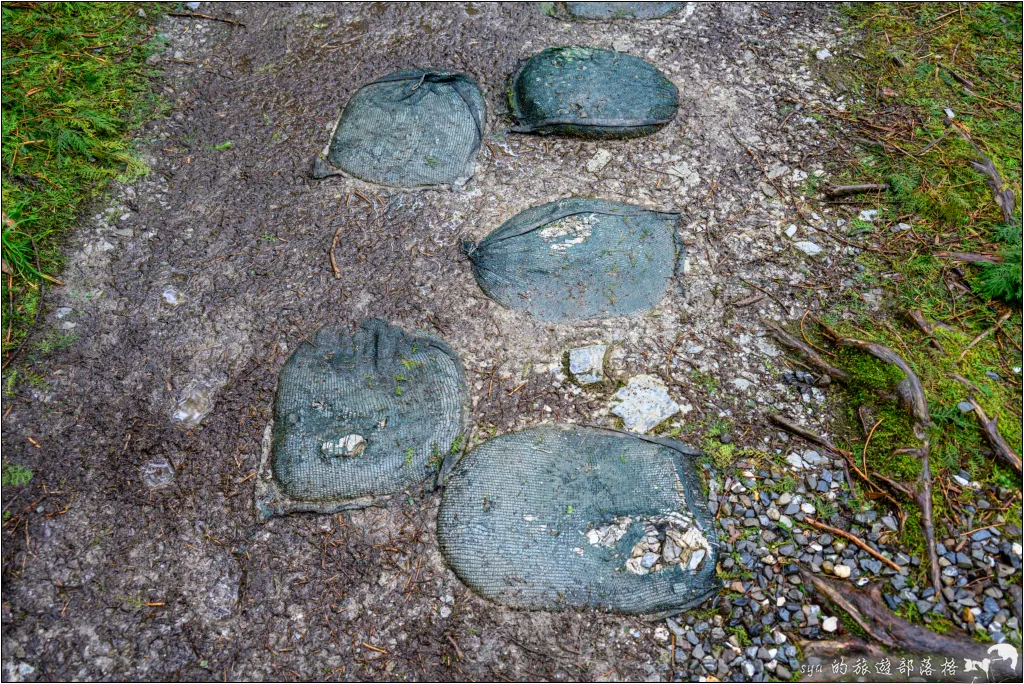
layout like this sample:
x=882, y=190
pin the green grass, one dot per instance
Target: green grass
x=911, y=64
x=915, y=62
x=14, y=475
x=75, y=84
x=899, y=80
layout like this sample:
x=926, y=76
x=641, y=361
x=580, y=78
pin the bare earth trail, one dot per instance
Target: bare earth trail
x=208, y=273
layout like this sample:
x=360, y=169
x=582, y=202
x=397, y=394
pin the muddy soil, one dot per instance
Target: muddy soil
x=136, y=552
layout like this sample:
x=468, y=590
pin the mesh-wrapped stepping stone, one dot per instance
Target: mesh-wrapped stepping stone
x=360, y=416
x=590, y=92
x=578, y=258
x=612, y=10
x=564, y=516
x=408, y=129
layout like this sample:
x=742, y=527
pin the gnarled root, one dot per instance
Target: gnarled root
x=988, y=425
x=888, y=633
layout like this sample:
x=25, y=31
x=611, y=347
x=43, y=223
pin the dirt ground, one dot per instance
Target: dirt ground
x=190, y=291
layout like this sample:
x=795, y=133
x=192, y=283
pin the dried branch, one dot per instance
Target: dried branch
x=845, y=190
x=982, y=336
x=855, y=539
x=969, y=257
x=893, y=633
x=806, y=434
x=806, y=351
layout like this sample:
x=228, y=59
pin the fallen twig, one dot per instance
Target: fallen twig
x=982, y=336
x=197, y=15
x=806, y=434
x=969, y=257
x=855, y=539
x=334, y=246
x=844, y=190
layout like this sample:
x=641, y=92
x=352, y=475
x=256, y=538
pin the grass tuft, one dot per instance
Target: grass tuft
x=75, y=84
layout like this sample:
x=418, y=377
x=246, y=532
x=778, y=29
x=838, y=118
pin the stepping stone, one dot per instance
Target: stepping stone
x=411, y=128
x=563, y=516
x=587, y=363
x=589, y=92
x=611, y=10
x=579, y=259
x=358, y=417
x=644, y=404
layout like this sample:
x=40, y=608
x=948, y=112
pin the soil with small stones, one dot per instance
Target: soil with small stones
x=209, y=272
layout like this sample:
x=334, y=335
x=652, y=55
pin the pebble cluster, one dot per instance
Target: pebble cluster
x=668, y=540
x=762, y=514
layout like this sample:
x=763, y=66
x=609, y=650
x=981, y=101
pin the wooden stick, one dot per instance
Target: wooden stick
x=982, y=336
x=844, y=190
x=855, y=539
x=806, y=434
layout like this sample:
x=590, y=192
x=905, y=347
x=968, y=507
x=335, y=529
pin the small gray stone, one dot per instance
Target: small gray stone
x=587, y=363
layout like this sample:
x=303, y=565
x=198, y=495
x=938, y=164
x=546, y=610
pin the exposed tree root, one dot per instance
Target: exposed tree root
x=889, y=633
x=911, y=394
x=988, y=425
x=812, y=357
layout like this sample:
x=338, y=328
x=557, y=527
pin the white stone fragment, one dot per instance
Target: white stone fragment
x=587, y=363
x=599, y=161
x=807, y=247
x=644, y=403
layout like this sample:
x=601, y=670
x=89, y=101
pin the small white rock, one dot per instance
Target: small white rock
x=644, y=403
x=841, y=571
x=587, y=363
x=807, y=247
x=599, y=161
x=830, y=624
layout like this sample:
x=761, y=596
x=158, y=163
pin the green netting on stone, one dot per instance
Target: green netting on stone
x=409, y=129
x=360, y=416
x=578, y=258
x=614, y=10
x=564, y=516
x=590, y=92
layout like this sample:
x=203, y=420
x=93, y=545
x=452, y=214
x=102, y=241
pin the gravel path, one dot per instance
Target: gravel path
x=136, y=554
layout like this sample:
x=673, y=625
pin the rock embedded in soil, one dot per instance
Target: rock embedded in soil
x=615, y=10
x=359, y=416
x=644, y=403
x=410, y=128
x=580, y=517
x=587, y=363
x=579, y=259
